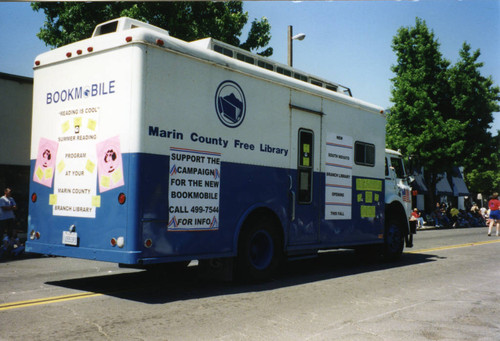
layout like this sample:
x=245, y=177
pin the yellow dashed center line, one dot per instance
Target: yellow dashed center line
x=455, y=246
x=40, y=301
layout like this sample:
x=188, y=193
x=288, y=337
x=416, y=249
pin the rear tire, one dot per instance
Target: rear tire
x=259, y=250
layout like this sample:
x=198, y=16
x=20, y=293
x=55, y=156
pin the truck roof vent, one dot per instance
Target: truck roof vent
x=106, y=28
x=122, y=24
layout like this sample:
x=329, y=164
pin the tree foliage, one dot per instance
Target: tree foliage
x=474, y=99
x=441, y=114
x=420, y=123
x=67, y=22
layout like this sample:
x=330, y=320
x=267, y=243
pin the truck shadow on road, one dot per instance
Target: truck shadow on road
x=191, y=283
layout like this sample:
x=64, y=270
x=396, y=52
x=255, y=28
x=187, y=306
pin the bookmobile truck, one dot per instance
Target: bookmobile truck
x=148, y=150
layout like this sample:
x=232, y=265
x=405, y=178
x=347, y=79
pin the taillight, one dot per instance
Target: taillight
x=122, y=198
x=90, y=49
x=160, y=42
x=34, y=235
x=68, y=54
x=128, y=39
x=120, y=242
x=34, y=197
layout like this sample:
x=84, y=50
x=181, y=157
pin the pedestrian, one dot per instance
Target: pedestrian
x=7, y=207
x=494, y=205
x=436, y=215
x=482, y=211
x=454, y=214
x=415, y=215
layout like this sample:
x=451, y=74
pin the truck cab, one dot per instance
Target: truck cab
x=398, y=193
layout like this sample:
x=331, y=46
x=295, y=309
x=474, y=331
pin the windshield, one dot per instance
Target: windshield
x=397, y=163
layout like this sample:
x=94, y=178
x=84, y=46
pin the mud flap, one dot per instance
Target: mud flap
x=409, y=236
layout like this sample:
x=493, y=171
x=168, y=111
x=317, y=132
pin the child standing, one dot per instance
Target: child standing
x=494, y=205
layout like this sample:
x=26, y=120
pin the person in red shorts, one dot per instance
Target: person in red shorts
x=494, y=205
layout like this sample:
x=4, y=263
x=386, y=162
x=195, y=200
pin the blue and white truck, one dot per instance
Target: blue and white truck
x=147, y=149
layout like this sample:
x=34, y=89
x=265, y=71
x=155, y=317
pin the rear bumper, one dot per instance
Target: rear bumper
x=118, y=256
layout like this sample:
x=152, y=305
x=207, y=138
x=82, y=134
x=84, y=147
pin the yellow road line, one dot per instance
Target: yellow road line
x=47, y=300
x=455, y=246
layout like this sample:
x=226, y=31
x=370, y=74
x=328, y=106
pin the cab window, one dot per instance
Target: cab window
x=364, y=154
x=397, y=163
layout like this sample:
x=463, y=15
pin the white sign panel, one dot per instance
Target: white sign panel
x=338, y=177
x=194, y=189
x=79, y=120
x=76, y=165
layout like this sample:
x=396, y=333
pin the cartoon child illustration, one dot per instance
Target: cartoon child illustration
x=110, y=165
x=46, y=156
x=45, y=161
x=109, y=160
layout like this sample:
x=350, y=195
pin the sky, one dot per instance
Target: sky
x=347, y=42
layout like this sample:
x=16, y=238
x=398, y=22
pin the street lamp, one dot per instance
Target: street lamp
x=291, y=38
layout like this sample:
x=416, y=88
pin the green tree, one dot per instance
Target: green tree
x=486, y=180
x=474, y=100
x=420, y=122
x=67, y=22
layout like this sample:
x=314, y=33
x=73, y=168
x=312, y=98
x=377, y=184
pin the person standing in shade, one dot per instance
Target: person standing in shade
x=494, y=205
x=7, y=207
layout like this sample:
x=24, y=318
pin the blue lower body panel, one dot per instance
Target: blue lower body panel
x=142, y=221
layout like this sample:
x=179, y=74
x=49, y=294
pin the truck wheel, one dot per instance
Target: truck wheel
x=259, y=251
x=393, y=240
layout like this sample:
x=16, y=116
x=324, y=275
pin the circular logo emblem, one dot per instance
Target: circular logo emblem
x=230, y=104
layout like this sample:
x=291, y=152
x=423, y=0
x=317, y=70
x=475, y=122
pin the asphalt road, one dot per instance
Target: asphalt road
x=445, y=288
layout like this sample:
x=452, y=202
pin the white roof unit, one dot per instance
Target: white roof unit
x=123, y=24
x=266, y=63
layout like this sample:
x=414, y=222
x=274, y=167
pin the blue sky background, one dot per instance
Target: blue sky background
x=348, y=42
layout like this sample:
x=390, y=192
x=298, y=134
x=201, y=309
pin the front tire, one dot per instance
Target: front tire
x=393, y=240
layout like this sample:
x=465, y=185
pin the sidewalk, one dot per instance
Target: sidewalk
x=432, y=227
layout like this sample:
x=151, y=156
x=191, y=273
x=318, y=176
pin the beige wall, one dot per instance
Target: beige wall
x=16, y=94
